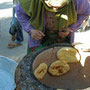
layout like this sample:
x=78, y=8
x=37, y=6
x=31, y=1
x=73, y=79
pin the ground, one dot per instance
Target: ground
x=15, y=54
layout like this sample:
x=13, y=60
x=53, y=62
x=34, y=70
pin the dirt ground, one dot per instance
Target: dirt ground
x=5, y=18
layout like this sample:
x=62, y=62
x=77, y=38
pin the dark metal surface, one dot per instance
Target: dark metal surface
x=24, y=77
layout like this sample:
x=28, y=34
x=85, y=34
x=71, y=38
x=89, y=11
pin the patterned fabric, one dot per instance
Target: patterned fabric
x=16, y=28
x=49, y=22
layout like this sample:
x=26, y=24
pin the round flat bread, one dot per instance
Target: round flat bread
x=58, y=68
x=56, y=3
x=40, y=71
x=68, y=54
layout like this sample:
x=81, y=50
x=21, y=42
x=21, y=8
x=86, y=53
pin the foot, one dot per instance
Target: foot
x=13, y=45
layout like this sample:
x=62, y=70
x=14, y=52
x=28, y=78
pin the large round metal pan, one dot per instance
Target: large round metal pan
x=77, y=78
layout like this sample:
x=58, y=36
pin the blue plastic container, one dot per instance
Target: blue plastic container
x=7, y=72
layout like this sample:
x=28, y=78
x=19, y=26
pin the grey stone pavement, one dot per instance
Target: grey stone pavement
x=5, y=18
x=19, y=52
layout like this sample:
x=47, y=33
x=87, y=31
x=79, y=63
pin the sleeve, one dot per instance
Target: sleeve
x=23, y=19
x=83, y=10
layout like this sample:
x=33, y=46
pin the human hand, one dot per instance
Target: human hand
x=63, y=33
x=36, y=34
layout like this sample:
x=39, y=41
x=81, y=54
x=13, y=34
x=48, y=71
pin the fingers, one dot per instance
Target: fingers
x=42, y=33
x=37, y=35
x=63, y=34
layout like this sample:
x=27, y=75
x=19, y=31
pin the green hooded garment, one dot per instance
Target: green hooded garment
x=64, y=17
